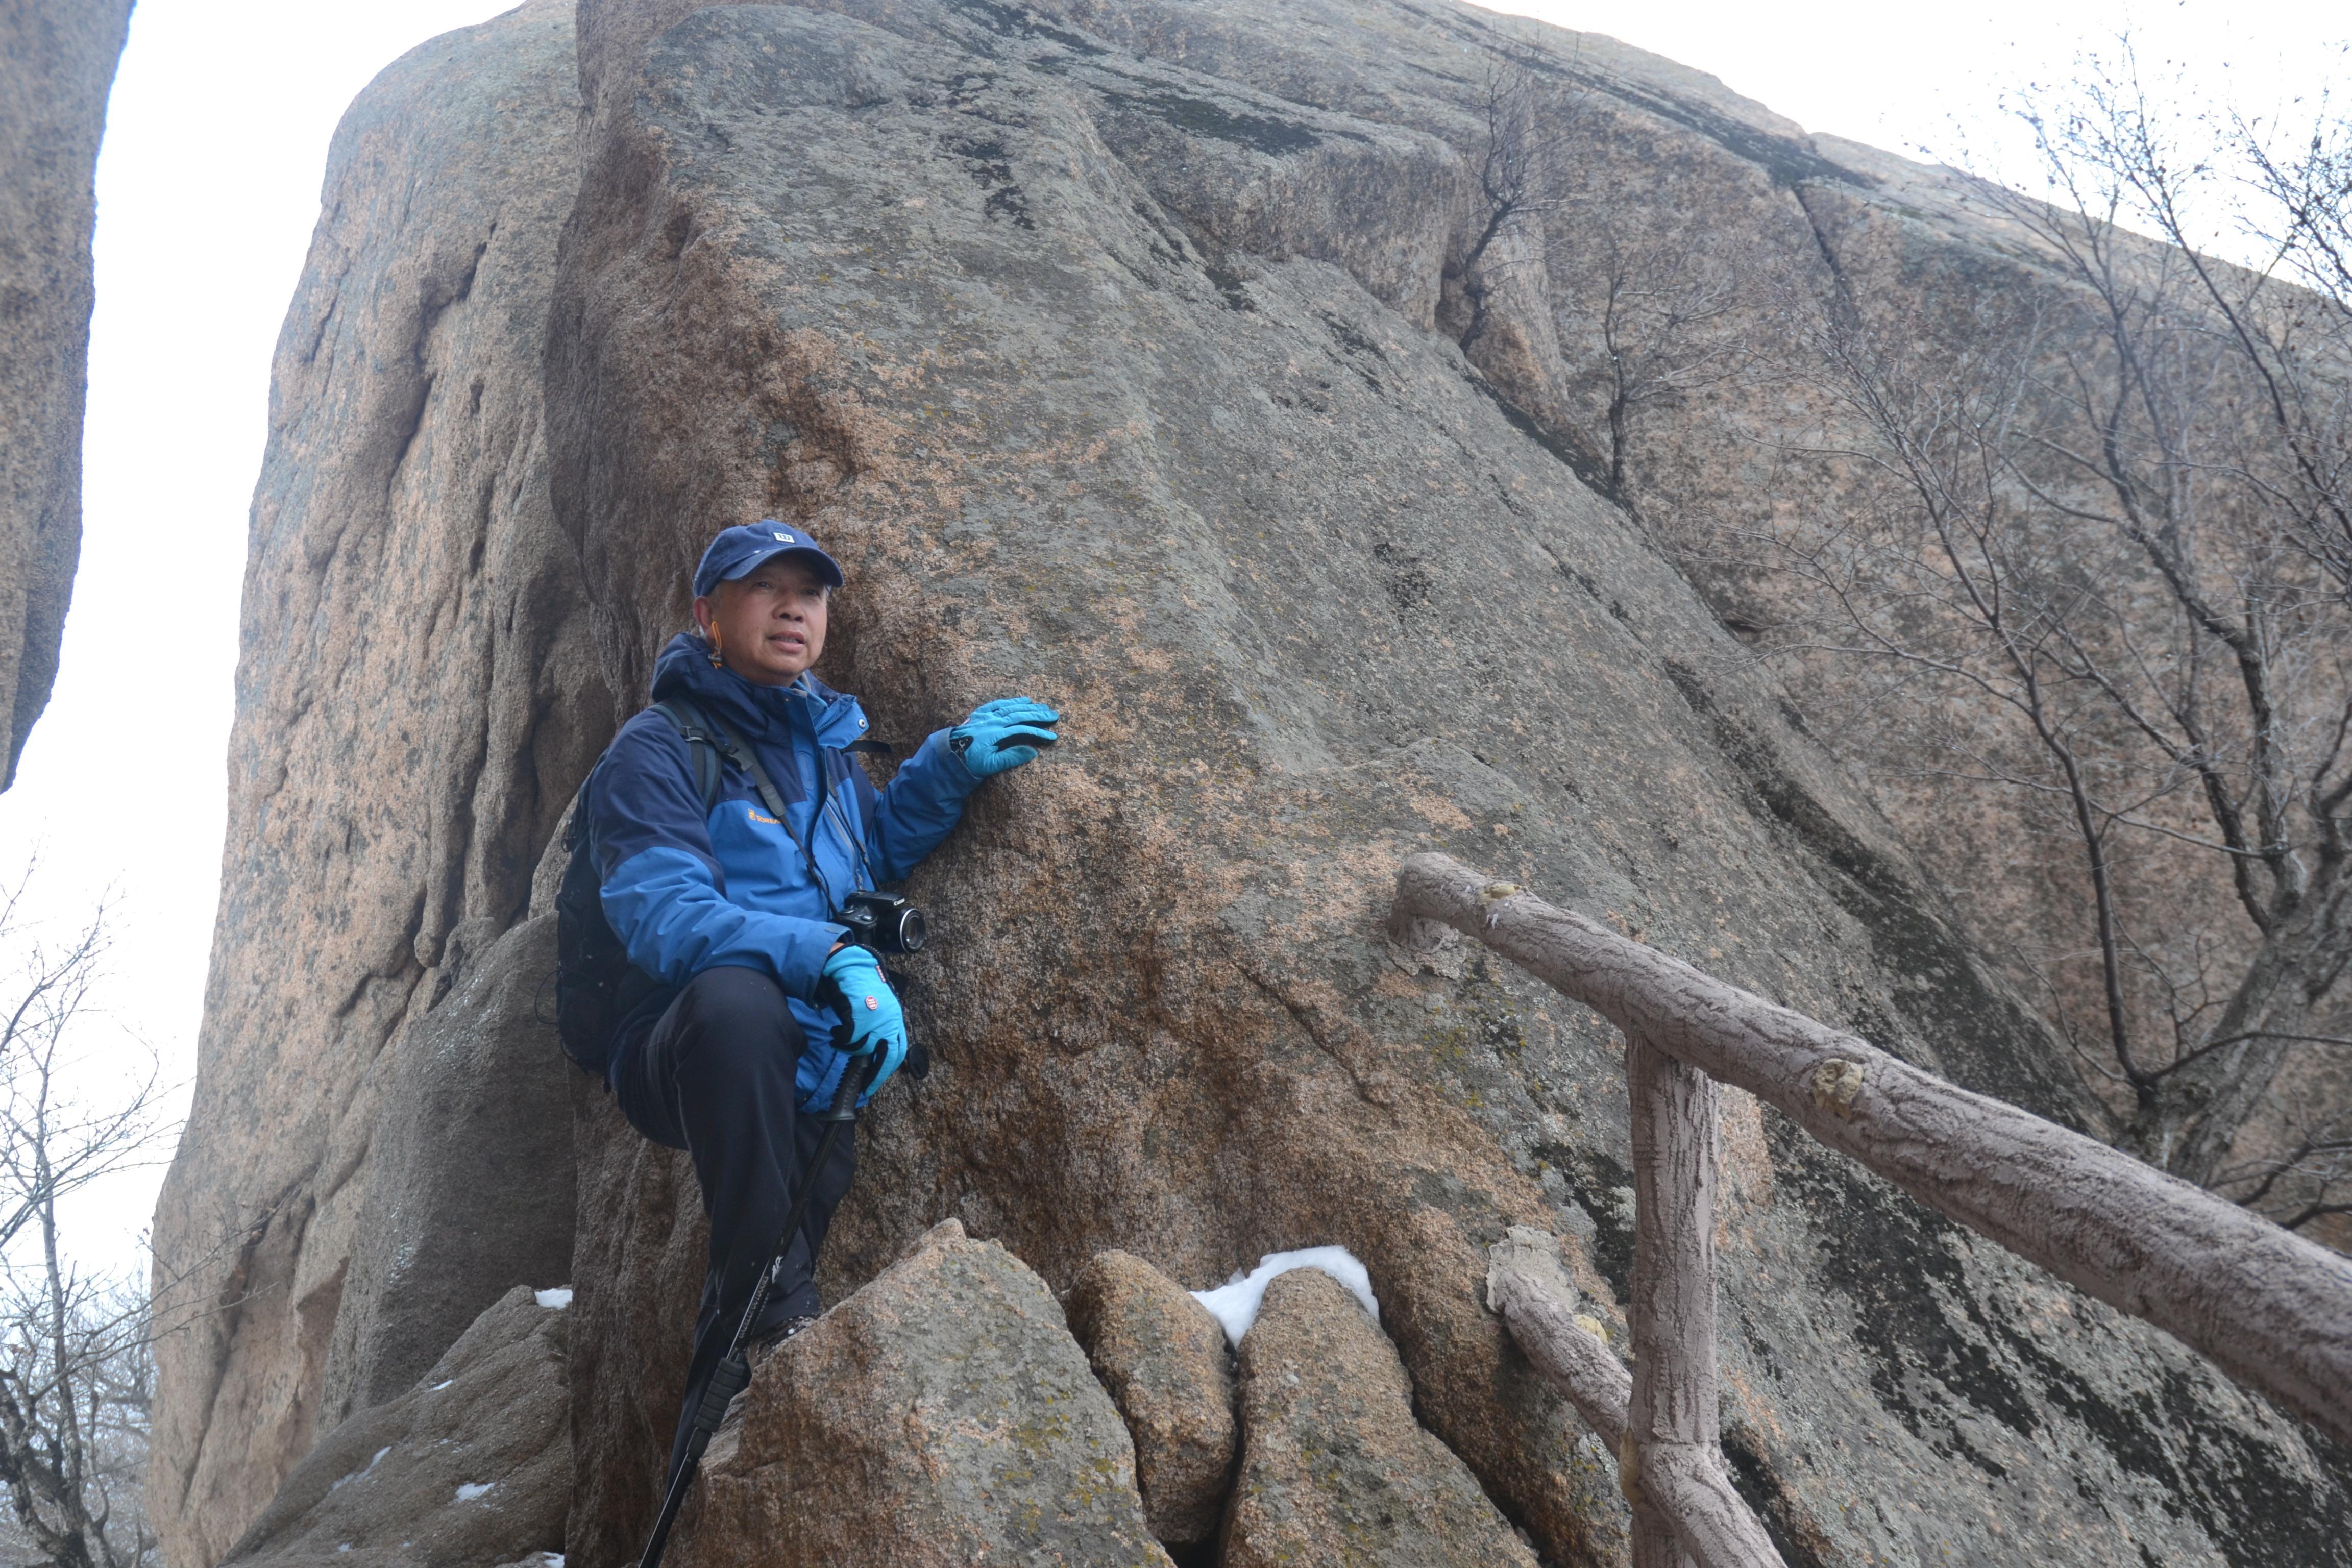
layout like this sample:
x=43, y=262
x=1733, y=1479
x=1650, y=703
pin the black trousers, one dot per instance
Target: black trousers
x=714, y=1076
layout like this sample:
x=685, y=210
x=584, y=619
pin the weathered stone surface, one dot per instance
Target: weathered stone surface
x=57, y=63
x=970, y=291
x=470, y=1174
x=942, y=1415
x=638, y=1259
x=408, y=729
x=1165, y=1361
x=473, y=1466
x=1311, y=597
x=1334, y=1468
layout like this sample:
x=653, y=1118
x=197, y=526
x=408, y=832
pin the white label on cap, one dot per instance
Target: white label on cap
x=785, y=537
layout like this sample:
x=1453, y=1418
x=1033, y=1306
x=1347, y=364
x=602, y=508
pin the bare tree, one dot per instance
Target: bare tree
x=1671, y=317
x=75, y=1368
x=1642, y=320
x=1517, y=155
x=2095, y=554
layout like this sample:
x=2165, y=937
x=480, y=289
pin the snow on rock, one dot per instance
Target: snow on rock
x=472, y=1489
x=364, y=1473
x=560, y=1297
x=1234, y=1303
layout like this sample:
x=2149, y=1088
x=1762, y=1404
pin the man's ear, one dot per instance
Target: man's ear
x=702, y=613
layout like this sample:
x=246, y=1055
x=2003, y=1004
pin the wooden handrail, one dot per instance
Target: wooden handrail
x=2270, y=1308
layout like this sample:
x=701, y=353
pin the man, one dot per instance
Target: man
x=732, y=910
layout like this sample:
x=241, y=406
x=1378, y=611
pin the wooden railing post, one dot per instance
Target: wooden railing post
x=1685, y=1488
x=1671, y=1465
x=1673, y=1309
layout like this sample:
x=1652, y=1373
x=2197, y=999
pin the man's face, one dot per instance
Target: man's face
x=769, y=623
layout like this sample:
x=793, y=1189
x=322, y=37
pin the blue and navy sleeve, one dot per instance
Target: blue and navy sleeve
x=922, y=803
x=662, y=887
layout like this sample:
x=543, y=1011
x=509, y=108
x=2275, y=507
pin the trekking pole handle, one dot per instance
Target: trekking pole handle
x=859, y=1073
x=854, y=1079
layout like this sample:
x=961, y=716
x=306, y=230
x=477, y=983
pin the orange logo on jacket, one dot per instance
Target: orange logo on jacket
x=753, y=812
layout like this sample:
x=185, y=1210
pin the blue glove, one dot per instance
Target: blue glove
x=876, y=1021
x=1002, y=735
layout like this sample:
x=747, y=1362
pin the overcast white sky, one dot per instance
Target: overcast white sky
x=207, y=190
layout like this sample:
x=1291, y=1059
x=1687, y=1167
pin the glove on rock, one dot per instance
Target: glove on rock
x=876, y=1020
x=1002, y=735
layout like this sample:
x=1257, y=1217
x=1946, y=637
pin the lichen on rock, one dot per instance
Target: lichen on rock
x=1166, y=1364
x=1334, y=1470
x=941, y=1416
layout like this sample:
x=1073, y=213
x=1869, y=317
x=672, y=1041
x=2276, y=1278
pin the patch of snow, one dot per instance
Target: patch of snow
x=440, y=1385
x=346, y=1546
x=558, y=1297
x=364, y=1473
x=1234, y=1303
x=473, y=1489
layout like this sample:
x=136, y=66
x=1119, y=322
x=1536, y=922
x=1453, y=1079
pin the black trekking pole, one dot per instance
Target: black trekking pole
x=733, y=1373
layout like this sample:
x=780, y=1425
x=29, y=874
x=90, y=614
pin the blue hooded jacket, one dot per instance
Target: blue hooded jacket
x=686, y=889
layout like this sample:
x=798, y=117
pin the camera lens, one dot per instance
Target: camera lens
x=912, y=932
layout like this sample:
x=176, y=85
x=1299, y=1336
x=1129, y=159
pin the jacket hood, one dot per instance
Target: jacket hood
x=684, y=670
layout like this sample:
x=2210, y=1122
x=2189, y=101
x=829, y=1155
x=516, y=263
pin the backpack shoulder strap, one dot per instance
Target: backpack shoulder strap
x=716, y=738
x=703, y=743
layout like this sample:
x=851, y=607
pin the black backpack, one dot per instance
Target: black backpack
x=596, y=986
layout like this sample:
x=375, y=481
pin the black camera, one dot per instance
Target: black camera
x=884, y=922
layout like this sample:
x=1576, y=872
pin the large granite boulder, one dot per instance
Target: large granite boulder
x=470, y=1174
x=940, y=1416
x=1334, y=1470
x=57, y=63
x=394, y=770
x=1312, y=592
x=1120, y=353
x=473, y=1466
x=1165, y=1361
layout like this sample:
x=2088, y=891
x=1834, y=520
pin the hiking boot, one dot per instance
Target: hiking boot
x=754, y=1355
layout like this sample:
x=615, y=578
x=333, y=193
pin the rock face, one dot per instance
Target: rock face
x=1334, y=1468
x=638, y=1260
x=394, y=772
x=1163, y=1359
x=471, y=1467
x=57, y=63
x=470, y=1174
x=1125, y=356
x=942, y=1415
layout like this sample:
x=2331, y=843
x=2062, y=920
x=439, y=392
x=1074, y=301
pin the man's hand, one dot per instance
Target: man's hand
x=1004, y=734
x=876, y=1021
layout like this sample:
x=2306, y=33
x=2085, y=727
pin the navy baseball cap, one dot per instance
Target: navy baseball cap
x=740, y=549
